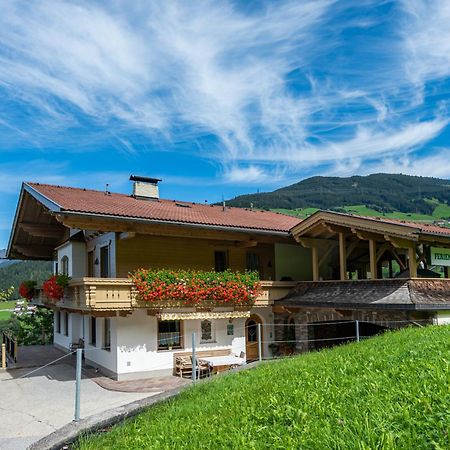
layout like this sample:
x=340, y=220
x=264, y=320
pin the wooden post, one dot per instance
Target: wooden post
x=342, y=256
x=3, y=356
x=412, y=262
x=445, y=271
x=315, y=263
x=373, y=258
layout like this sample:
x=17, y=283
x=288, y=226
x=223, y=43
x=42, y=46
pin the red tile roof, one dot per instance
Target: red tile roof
x=100, y=203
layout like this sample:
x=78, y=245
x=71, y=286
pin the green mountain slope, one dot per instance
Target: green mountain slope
x=379, y=192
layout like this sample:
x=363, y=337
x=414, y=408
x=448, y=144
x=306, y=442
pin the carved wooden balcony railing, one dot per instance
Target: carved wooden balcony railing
x=119, y=294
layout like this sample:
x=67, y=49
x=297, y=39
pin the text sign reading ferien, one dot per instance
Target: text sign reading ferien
x=440, y=256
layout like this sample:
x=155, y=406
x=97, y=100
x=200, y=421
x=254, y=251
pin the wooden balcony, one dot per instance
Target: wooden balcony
x=119, y=294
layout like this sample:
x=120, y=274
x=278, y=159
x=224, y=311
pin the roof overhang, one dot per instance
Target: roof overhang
x=35, y=232
x=328, y=224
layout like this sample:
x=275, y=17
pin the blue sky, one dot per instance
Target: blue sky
x=220, y=98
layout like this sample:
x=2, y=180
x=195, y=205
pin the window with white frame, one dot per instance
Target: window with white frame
x=65, y=265
x=207, y=331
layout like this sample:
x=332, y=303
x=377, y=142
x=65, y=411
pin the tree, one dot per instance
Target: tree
x=6, y=294
x=33, y=329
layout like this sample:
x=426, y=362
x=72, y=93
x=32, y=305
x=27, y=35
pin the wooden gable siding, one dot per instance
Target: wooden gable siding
x=187, y=253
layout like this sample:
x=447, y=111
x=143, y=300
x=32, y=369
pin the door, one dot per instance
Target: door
x=251, y=337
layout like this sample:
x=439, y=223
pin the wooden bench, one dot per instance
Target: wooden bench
x=182, y=363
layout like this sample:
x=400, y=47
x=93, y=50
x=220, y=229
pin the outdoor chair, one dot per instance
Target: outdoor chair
x=203, y=368
x=183, y=366
x=76, y=345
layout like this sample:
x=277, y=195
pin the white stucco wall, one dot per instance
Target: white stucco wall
x=95, y=245
x=442, y=318
x=76, y=253
x=60, y=339
x=97, y=355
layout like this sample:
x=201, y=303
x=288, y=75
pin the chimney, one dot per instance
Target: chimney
x=145, y=188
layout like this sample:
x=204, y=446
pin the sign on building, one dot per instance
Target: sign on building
x=440, y=256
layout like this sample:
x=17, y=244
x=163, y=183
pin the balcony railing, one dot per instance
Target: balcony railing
x=119, y=294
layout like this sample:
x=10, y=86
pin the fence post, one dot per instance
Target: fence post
x=357, y=330
x=259, y=342
x=3, y=356
x=78, y=384
x=194, y=359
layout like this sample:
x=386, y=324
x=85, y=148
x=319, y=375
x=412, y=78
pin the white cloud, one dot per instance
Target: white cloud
x=434, y=164
x=180, y=71
x=426, y=34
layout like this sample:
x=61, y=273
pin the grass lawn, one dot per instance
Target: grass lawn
x=5, y=315
x=388, y=392
x=7, y=305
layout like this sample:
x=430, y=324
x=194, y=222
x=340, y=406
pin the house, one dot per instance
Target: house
x=98, y=238
x=329, y=268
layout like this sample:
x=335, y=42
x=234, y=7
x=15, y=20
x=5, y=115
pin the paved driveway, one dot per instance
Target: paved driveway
x=32, y=407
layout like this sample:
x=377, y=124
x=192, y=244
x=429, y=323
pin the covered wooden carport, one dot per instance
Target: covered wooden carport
x=342, y=239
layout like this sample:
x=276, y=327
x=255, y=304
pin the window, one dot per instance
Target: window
x=65, y=265
x=253, y=262
x=220, y=261
x=58, y=321
x=169, y=334
x=107, y=335
x=252, y=331
x=207, y=332
x=104, y=262
x=93, y=334
x=90, y=264
x=66, y=324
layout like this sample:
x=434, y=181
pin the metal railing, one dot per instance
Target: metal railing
x=10, y=346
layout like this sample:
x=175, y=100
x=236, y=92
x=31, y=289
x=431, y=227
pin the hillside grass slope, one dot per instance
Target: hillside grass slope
x=385, y=193
x=388, y=392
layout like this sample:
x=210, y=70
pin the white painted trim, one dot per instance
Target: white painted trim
x=50, y=204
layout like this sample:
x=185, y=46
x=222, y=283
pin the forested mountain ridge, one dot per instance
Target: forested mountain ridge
x=17, y=271
x=382, y=192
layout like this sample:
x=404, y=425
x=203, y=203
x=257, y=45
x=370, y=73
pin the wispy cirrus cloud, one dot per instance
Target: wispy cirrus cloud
x=265, y=90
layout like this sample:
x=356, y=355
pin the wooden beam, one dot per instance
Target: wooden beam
x=34, y=250
x=315, y=242
x=399, y=242
x=398, y=259
x=326, y=255
x=40, y=230
x=126, y=235
x=412, y=262
x=342, y=256
x=373, y=258
x=315, y=263
x=381, y=251
x=246, y=244
x=151, y=229
x=337, y=229
x=366, y=236
x=352, y=247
